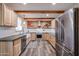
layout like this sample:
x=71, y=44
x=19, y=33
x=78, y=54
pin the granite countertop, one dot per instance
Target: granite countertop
x=11, y=38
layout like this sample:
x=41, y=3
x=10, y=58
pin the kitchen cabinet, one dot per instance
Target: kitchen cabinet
x=7, y=17
x=53, y=24
x=13, y=19
x=50, y=38
x=33, y=36
x=6, y=48
x=17, y=47
x=10, y=48
x=46, y=36
x=13, y=45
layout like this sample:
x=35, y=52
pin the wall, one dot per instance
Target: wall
x=5, y=31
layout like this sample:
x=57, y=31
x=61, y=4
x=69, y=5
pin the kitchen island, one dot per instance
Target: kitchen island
x=12, y=45
x=16, y=44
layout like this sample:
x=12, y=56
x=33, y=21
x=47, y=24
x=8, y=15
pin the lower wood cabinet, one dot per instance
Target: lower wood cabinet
x=17, y=47
x=12, y=47
x=46, y=36
x=52, y=40
x=33, y=36
x=6, y=48
x=49, y=37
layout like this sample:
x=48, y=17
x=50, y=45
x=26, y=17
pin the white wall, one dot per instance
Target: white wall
x=6, y=31
x=76, y=5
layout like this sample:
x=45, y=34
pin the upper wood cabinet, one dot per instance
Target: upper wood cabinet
x=7, y=16
x=13, y=19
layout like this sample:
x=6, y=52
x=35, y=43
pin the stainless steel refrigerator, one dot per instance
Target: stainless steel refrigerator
x=67, y=32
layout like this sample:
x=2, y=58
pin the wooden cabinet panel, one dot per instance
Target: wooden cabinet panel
x=7, y=14
x=3, y=48
x=1, y=21
x=46, y=36
x=50, y=38
x=17, y=47
x=13, y=18
x=12, y=48
x=6, y=48
x=52, y=41
x=33, y=36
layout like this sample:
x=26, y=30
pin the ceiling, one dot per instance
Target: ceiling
x=40, y=6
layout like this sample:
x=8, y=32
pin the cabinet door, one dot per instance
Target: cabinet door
x=33, y=36
x=7, y=14
x=6, y=48
x=46, y=36
x=17, y=47
x=1, y=21
x=4, y=51
x=13, y=18
x=52, y=40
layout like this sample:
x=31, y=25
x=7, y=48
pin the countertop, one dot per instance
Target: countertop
x=11, y=38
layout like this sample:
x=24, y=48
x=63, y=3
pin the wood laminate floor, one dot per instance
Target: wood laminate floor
x=39, y=48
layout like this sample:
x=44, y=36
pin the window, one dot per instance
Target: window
x=19, y=25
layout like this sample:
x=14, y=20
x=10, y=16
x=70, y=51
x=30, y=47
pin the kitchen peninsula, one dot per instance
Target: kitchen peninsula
x=12, y=45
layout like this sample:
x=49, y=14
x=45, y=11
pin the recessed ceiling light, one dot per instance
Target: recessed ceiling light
x=24, y=3
x=47, y=14
x=53, y=3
